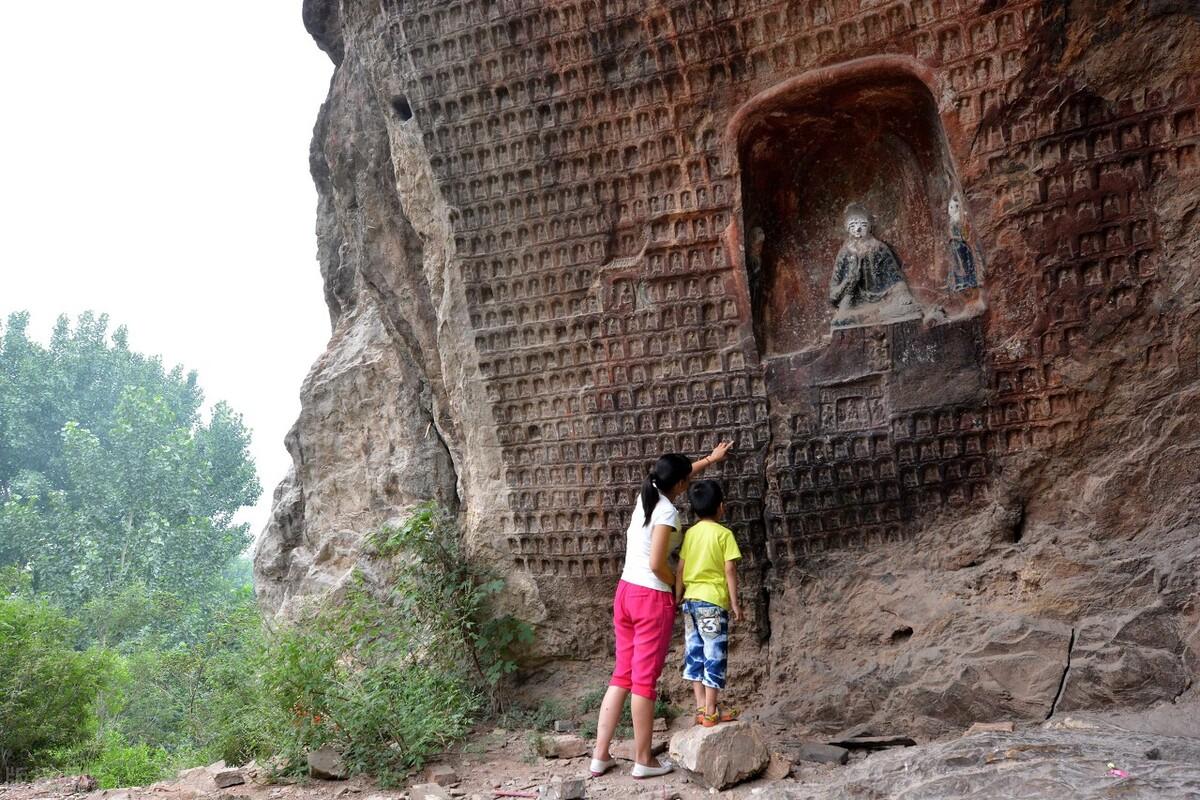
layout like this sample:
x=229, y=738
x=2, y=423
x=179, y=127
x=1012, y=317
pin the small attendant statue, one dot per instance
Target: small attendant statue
x=962, y=261
x=867, y=286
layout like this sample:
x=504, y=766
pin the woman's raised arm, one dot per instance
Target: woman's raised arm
x=718, y=454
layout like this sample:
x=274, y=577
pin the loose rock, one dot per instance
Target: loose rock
x=563, y=789
x=721, y=756
x=565, y=726
x=428, y=791
x=778, y=768
x=441, y=774
x=563, y=746
x=229, y=777
x=326, y=764
x=625, y=749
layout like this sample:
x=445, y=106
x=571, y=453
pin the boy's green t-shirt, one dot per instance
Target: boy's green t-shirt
x=707, y=545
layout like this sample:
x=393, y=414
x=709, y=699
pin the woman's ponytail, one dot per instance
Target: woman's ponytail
x=649, y=496
x=668, y=471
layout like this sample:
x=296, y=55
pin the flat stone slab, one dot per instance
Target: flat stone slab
x=989, y=727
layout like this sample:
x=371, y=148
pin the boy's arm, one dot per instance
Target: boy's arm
x=732, y=583
x=679, y=581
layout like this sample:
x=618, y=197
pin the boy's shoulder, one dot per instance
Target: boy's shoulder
x=707, y=527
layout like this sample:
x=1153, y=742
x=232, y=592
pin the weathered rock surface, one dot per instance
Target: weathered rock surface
x=721, y=756
x=1029, y=764
x=558, y=239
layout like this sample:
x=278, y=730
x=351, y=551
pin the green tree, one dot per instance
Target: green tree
x=109, y=477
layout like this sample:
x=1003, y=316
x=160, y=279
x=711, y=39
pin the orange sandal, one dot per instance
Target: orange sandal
x=710, y=720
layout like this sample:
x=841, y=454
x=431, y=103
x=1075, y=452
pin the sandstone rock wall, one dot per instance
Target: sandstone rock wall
x=559, y=238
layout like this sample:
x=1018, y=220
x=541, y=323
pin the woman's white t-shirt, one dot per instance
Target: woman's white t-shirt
x=637, y=543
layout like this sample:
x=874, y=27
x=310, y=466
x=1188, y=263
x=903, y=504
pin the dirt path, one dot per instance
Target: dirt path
x=1156, y=753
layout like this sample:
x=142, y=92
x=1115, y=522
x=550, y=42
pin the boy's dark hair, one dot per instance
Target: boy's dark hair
x=706, y=497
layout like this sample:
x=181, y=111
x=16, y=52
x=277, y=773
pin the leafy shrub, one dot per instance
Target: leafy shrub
x=113, y=762
x=449, y=596
x=538, y=718
x=47, y=688
x=391, y=677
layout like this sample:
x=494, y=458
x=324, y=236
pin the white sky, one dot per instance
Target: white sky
x=156, y=169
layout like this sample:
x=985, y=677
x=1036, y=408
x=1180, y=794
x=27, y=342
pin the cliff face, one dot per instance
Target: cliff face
x=561, y=238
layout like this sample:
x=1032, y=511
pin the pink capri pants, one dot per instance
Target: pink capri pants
x=642, y=619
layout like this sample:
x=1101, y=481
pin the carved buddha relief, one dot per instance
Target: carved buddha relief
x=963, y=274
x=867, y=286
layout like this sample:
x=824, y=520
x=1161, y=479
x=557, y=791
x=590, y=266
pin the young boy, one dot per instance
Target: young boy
x=706, y=582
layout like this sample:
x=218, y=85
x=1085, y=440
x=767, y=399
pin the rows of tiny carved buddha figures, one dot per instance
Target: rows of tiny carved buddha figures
x=581, y=121
x=552, y=368
x=825, y=483
x=618, y=413
x=531, y=132
x=736, y=44
x=1084, y=208
x=513, y=22
x=580, y=530
x=502, y=294
x=1087, y=170
x=566, y=226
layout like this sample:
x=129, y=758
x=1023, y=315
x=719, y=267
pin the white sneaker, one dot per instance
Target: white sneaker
x=642, y=771
x=599, y=767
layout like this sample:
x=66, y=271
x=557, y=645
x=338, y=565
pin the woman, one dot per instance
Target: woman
x=644, y=609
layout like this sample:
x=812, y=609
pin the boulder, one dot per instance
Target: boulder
x=721, y=756
x=326, y=764
x=563, y=789
x=561, y=746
